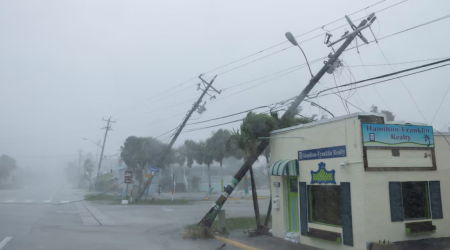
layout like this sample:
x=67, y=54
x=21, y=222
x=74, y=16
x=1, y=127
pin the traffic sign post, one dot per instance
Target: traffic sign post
x=128, y=176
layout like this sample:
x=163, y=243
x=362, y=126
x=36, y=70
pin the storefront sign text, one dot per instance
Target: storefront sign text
x=385, y=135
x=322, y=153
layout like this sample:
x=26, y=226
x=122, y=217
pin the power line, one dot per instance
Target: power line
x=319, y=59
x=217, y=118
x=400, y=63
x=409, y=92
x=156, y=110
x=261, y=51
x=443, y=98
x=153, y=101
x=278, y=44
x=402, y=31
x=162, y=92
x=316, y=60
x=376, y=90
x=391, y=74
x=390, y=79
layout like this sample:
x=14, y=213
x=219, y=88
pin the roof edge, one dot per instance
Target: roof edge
x=334, y=119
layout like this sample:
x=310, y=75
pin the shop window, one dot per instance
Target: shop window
x=325, y=205
x=415, y=200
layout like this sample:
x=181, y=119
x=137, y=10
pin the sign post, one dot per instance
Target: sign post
x=128, y=180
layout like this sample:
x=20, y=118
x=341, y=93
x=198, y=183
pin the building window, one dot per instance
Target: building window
x=396, y=152
x=415, y=200
x=325, y=205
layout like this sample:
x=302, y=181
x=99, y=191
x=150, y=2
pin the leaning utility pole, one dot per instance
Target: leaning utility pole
x=200, y=109
x=107, y=128
x=329, y=67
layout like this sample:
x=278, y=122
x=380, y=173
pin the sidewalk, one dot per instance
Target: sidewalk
x=263, y=242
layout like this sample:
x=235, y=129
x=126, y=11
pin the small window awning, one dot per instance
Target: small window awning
x=284, y=167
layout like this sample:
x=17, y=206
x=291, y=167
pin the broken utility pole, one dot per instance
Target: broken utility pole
x=329, y=66
x=107, y=128
x=196, y=106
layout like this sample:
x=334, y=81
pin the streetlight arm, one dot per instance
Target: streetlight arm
x=92, y=142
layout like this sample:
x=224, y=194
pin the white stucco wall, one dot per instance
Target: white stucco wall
x=369, y=190
x=407, y=158
x=343, y=132
x=378, y=225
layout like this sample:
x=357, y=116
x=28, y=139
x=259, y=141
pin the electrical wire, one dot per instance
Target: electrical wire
x=318, y=95
x=217, y=118
x=342, y=100
x=443, y=98
x=156, y=110
x=394, y=73
x=402, y=31
x=308, y=32
x=404, y=85
x=442, y=136
x=376, y=90
x=391, y=6
x=400, y=63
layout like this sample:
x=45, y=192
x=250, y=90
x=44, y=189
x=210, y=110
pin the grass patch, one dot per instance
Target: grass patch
x=236, y=223
x=99, y=197
x=197, y=232
x=161, y=202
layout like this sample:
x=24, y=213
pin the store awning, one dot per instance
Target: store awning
x=284, y=167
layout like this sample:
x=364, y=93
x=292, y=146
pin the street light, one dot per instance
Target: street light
x=294, y=42
x=92, y=142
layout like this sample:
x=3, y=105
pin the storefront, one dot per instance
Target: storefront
x=345, y=182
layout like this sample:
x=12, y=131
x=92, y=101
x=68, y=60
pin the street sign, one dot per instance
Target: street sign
x=148, y=175
x=128, y=176
x=156, y=170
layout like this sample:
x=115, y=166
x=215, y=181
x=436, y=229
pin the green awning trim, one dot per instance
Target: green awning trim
x=284, y=167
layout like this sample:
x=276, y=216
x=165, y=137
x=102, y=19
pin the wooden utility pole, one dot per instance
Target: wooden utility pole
x=329, y=66
x=196, y=106
x=107, y=128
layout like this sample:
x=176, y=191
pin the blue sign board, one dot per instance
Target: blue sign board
x=322, y=153
x=385, y=135
x=153, y=169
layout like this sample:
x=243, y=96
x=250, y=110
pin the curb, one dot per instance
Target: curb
x=258, y=197
x=236, y=244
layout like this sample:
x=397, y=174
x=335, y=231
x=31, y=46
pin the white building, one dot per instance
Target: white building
x=345, y=182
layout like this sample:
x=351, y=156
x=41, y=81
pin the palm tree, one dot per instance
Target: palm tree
x=246, y=139
x=427, y=138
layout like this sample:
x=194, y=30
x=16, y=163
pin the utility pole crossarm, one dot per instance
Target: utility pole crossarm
x=180, y=128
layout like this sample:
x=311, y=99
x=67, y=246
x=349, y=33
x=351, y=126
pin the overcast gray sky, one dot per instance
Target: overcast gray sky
x=66, y=64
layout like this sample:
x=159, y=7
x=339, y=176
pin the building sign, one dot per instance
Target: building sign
x=276, y=184
x=322, y=175
x=322, y=153
x=156, y=170
x=384, y=135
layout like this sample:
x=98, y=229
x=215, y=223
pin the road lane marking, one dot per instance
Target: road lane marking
x=62, y=202
x=4, y=241
x=46, y=201
x=28, y=201
x=10, y=201
x=167, y=209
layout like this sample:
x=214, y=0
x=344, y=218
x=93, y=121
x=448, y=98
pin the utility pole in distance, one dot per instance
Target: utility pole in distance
x=200, y=109
x=329, y=67
x=107, y=128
